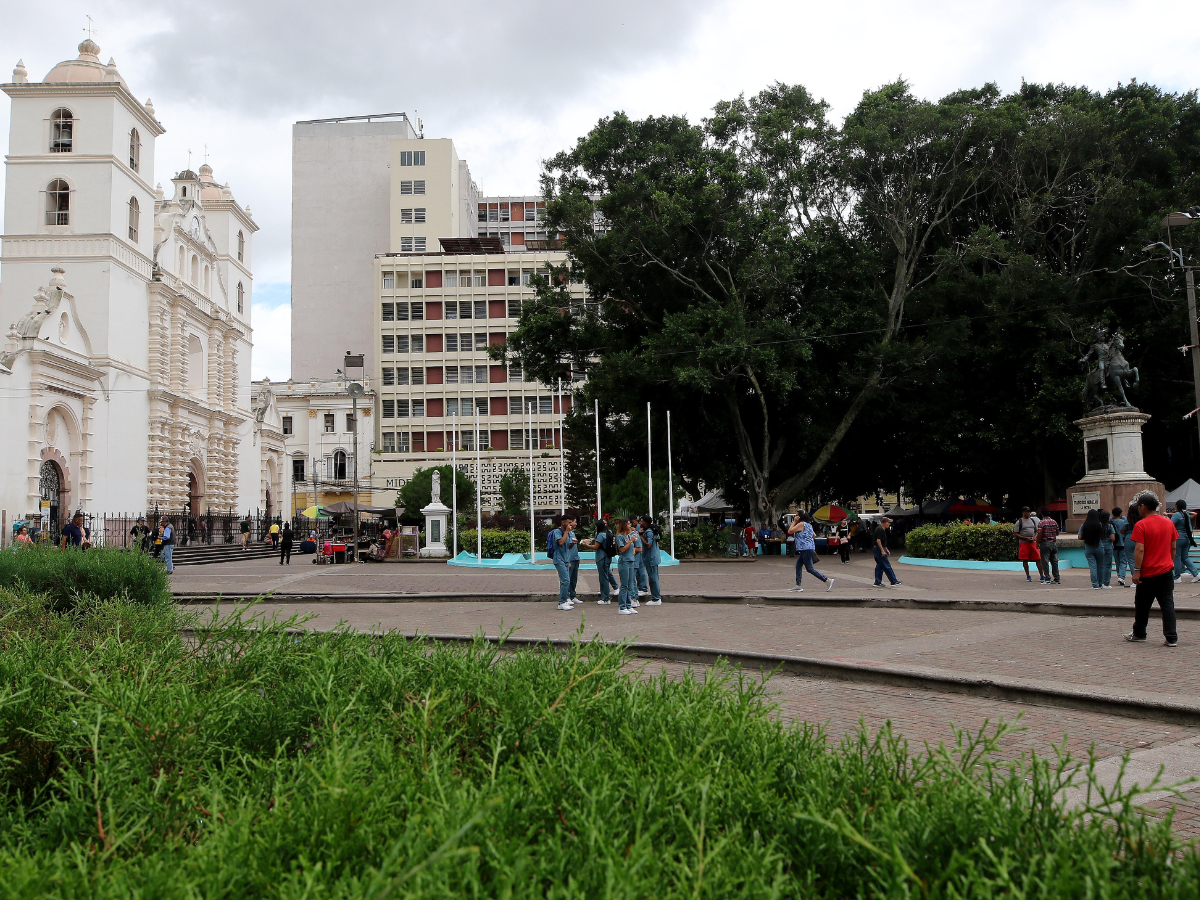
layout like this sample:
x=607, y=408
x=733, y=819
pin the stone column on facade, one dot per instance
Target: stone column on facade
x=85, y=452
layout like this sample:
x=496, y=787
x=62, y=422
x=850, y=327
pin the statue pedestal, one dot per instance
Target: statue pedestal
x=1112, y=453
x=436, y=514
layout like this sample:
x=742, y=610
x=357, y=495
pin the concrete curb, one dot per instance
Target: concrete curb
x=1133, y=704
x=1037, y=607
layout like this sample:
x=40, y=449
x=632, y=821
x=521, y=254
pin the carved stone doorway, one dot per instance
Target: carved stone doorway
x=51, y=486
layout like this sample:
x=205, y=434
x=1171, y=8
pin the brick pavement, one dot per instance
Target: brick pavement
x=770, y=576
x=1077, y=651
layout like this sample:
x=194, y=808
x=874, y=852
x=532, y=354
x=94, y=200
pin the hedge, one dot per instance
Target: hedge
x=703, y=540
x=497, y=543
x=102, y=572
x=987, y=543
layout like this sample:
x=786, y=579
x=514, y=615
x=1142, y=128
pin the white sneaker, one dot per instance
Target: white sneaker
x=829, y=585
x=643, y=593
x=797, y=590
x=657, y=602
x=1121, y=582
x=566, y=606
x=624, y=612
x=635, y=603
x=1179, y=579
x=604, y=602
x=1107, y=587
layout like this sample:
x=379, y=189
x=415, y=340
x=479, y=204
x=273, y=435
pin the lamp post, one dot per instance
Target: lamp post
x=355, y=390
x=1182, y=219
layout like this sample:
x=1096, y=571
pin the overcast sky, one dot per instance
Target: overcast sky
x=512, y=83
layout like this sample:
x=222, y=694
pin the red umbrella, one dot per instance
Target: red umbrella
x=970, y=505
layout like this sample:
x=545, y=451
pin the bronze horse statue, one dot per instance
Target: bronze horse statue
x=1113, y=373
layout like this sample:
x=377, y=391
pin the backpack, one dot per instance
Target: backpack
x=551, y=544
x=610, y=543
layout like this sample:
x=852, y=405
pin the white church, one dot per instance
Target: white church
x=125, y=371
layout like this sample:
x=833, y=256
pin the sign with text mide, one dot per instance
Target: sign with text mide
x=1082, y=501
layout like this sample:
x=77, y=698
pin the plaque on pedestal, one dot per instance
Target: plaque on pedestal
x=1112, y=453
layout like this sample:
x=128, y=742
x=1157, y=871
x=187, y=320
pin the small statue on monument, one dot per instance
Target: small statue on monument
x=436, y=495
x=1112, y=373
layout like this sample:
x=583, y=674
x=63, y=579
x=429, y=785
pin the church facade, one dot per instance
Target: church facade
x=125, y=371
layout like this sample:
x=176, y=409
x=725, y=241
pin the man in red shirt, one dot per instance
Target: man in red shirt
x=1153, y=569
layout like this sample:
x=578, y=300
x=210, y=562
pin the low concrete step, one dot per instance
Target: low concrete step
x=211, y=554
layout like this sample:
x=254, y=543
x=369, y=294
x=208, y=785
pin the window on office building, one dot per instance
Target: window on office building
x=517, y=439
x=514, y=307
x=450, y=309
x=401, y=343
x=387, y=312
x=481, y=278
x=389, y=280
x=406, y=217
x=401, y=409
x=481, y=405
x=545, y=406
x=287, y=424
x=418, y=247
x=515, y=407
x=389, y=376
x=451, y=374
x=329, y=423
x=418, y=311
x=450, y=343
x=466, y=440
x=412, y=157
x=514, y=374
x=418, y=375
x=401, y=441
x=418, y=409
x=339, y=465
x=514, y=278
x=349, y=421
x=482, y=212
x=480, y=341
x=406, y=246
x=468, y=375
x=389, y=409
x=401, y=376
x=418, y=187
x=297, y=470
x=406, y=187
x=481, y=375
x=389, y=442
x=451, y=407
x=481, y=309
x=388, y=343
x=402, y=312
x=419, y=214
x=417, y=280
x=418, y=343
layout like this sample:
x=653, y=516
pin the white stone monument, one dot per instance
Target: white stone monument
x=1112, y=453
x=436, y=514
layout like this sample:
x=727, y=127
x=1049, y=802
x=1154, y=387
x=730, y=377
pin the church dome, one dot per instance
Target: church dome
x=84, y=68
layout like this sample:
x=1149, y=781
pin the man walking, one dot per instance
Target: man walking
x=285, y=544
x=1154, y=540
x=566, y=560
x=140, y=533
x=650, y=555
x=166, y=534
x=274, y=535
x=605, y=546
x=1182, y=520
x=883, y=565
x=1025, y=528
x=245, y=532
x=1047, y=537
x=806, y=549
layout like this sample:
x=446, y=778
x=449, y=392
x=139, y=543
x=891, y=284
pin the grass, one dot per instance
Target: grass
x=65, y=575
x=258, y=762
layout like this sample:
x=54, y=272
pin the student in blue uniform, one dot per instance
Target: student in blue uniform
x=628, y=548
x=566, y=560
x=608, y=582
x=650, y=566
x=642, y=587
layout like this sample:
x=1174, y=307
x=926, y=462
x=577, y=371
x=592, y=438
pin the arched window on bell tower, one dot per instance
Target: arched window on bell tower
x=62, y=130
x=135, y=149
x=58, y=203
x=135, y=212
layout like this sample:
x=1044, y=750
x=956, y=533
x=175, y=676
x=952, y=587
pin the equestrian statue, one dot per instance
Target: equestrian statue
x=1112, y=373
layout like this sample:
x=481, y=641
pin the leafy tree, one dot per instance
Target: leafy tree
x=514, y=492
x=629, y=496
x=417, y=492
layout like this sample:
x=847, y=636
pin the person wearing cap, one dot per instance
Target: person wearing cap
x=140, y=533
x=1025, y=528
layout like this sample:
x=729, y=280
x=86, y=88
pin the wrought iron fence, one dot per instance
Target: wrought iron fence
x=208, y=528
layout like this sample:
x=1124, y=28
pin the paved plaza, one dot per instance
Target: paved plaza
x=924, y=669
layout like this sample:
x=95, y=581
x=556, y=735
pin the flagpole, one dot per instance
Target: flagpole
x=562, y=455
x=599, y=512
x=479, y=491
x=670, y=486
x=649, y=465
x=454, y=479
x=532, y=540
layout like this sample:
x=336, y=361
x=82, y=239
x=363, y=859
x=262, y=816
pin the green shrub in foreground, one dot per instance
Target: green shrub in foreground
x=989, y=543
x=63, y=575
x=261, y=763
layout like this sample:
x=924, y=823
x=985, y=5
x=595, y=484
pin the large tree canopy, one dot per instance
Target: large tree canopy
x=835, y=309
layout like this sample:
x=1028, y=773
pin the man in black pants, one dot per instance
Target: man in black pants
x=285, y=545
x=1153, y=569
